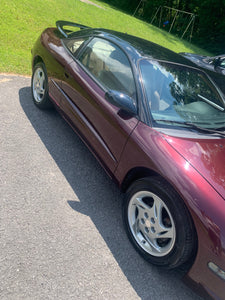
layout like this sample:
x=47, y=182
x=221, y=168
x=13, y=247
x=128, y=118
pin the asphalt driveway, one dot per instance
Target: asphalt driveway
x=61, y=231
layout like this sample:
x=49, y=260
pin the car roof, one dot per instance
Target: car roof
x=134, y=46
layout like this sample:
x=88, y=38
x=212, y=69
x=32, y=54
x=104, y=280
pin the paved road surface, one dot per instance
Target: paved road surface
x=61, y=232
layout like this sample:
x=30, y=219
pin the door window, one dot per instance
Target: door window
x=109, y=65
x=73, y=44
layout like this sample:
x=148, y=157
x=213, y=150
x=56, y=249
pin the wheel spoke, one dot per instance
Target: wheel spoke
x=157, y=208
x=135, y=226
x=152, y=243
x=40, y=90
x=140, y=204
x=168, y=233
x=41, y=79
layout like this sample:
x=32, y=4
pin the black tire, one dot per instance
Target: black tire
x=39, y=87
x=158, y=223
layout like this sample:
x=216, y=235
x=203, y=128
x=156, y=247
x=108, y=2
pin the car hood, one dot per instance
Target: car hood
x=207, y=156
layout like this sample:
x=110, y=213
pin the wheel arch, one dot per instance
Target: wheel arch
x=37, y=59
x=135, y=174
x=141, y=173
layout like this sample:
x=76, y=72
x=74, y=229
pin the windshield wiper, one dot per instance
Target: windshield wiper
x=211, y=103
x=192, y=126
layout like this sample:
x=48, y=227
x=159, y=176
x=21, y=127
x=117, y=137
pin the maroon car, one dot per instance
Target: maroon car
x=156, y=123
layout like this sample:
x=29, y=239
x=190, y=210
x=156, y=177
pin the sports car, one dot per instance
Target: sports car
x=156, y=123
x=214, y=66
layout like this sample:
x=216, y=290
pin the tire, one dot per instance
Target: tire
x=158, y=223
x=39, y=87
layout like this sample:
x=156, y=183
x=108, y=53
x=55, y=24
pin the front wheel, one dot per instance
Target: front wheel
x=39, y=87
x=158, y=223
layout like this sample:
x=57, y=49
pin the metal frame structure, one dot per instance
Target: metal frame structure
x=141, y=2
x=175, y=12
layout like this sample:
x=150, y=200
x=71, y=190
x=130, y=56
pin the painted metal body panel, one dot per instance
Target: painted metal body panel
x=207, y=156
x=99, y=121
x=161, y=154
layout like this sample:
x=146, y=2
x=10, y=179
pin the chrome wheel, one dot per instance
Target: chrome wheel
x=39, y=85
x=151, y=223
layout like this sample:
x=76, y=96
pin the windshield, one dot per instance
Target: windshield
x=181, y=94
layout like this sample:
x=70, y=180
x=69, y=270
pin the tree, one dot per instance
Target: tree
x=209, y=25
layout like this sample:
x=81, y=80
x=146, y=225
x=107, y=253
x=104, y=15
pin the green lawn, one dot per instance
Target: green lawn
x=22, y=21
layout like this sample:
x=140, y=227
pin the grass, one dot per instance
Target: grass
x=22, y=21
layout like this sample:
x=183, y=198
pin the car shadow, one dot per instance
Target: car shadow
x=100, y=199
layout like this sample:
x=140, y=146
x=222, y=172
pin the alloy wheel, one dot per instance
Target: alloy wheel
x=151, y=223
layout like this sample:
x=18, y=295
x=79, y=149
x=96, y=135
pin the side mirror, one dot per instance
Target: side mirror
x=122, y=101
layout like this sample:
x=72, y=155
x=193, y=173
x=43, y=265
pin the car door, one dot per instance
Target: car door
x=100, y=67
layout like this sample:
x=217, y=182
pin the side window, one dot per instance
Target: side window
x=73, y=44
x=109, y=65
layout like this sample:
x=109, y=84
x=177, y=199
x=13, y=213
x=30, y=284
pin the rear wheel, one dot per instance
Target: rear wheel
x=158, y=223
x=39, y=87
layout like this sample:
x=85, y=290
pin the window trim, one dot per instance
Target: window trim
x=77, y=52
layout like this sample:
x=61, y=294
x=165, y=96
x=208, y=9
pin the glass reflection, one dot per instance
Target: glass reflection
x=181, y=94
